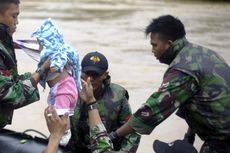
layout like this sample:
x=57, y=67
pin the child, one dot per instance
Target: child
x=63, y=77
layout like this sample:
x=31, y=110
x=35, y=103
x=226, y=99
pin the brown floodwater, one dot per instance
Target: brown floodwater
x=116, y=28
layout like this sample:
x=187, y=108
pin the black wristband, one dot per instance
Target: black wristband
x=113, y=136
x=91, y=103
x=92, y=106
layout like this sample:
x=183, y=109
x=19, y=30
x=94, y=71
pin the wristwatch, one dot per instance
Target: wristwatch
x=113, y=136
x=41, y=72
x=92, y=106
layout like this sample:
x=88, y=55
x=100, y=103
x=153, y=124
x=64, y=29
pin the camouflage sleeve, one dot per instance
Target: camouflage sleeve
x=17, y=93
x=99, y=139
x=130, y=142
x=176, y=89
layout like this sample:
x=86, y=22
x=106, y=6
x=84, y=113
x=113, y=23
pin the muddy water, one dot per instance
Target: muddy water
x=116, y=28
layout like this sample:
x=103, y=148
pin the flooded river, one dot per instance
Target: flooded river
x=116, y=28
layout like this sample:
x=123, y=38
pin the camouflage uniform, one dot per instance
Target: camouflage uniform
x=100, y=142
x=15, y=91
x=114, y=111
x=198, y=82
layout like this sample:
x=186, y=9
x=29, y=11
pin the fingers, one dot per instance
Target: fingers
x=84, y=83
x=50, y=110
x=47, y=116
x=48, y=61
x=65, y=118
x=46, y=64
x=50, y=113
x=53, y=69
x=53, y=111
x=89, y=82
x=56, y=124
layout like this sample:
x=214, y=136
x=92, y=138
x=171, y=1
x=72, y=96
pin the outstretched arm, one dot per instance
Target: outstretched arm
x=130, y=142
x=124, y=130
x=21, y=90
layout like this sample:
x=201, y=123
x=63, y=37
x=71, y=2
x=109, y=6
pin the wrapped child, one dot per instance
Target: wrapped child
x=63, y=78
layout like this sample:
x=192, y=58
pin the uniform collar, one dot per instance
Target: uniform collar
x=171, y=53
x=4, y=36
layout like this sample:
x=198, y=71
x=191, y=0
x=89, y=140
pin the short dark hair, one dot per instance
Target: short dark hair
x=171, y=28
x=4, y=4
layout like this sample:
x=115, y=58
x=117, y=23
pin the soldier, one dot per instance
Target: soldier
x=197, y=82
x=16, y=90
x=112, y=103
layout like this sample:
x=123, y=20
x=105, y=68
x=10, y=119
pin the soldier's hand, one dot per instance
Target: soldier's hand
x=46, y=65
x=56, y=124
x=86, y=93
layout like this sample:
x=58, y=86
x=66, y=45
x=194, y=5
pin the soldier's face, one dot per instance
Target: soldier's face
x=159, y=46
x=10, y=17
x=96, y=80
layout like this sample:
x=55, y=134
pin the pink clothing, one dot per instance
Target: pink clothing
x=63, y=95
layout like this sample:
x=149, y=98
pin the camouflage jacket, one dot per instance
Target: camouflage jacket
x=15, y=91
x=198, y=82
x=114, y=111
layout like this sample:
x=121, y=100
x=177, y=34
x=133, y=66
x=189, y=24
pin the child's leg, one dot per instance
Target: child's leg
x=66, y=137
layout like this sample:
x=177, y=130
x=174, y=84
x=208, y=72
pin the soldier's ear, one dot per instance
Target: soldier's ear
x=105, y=75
